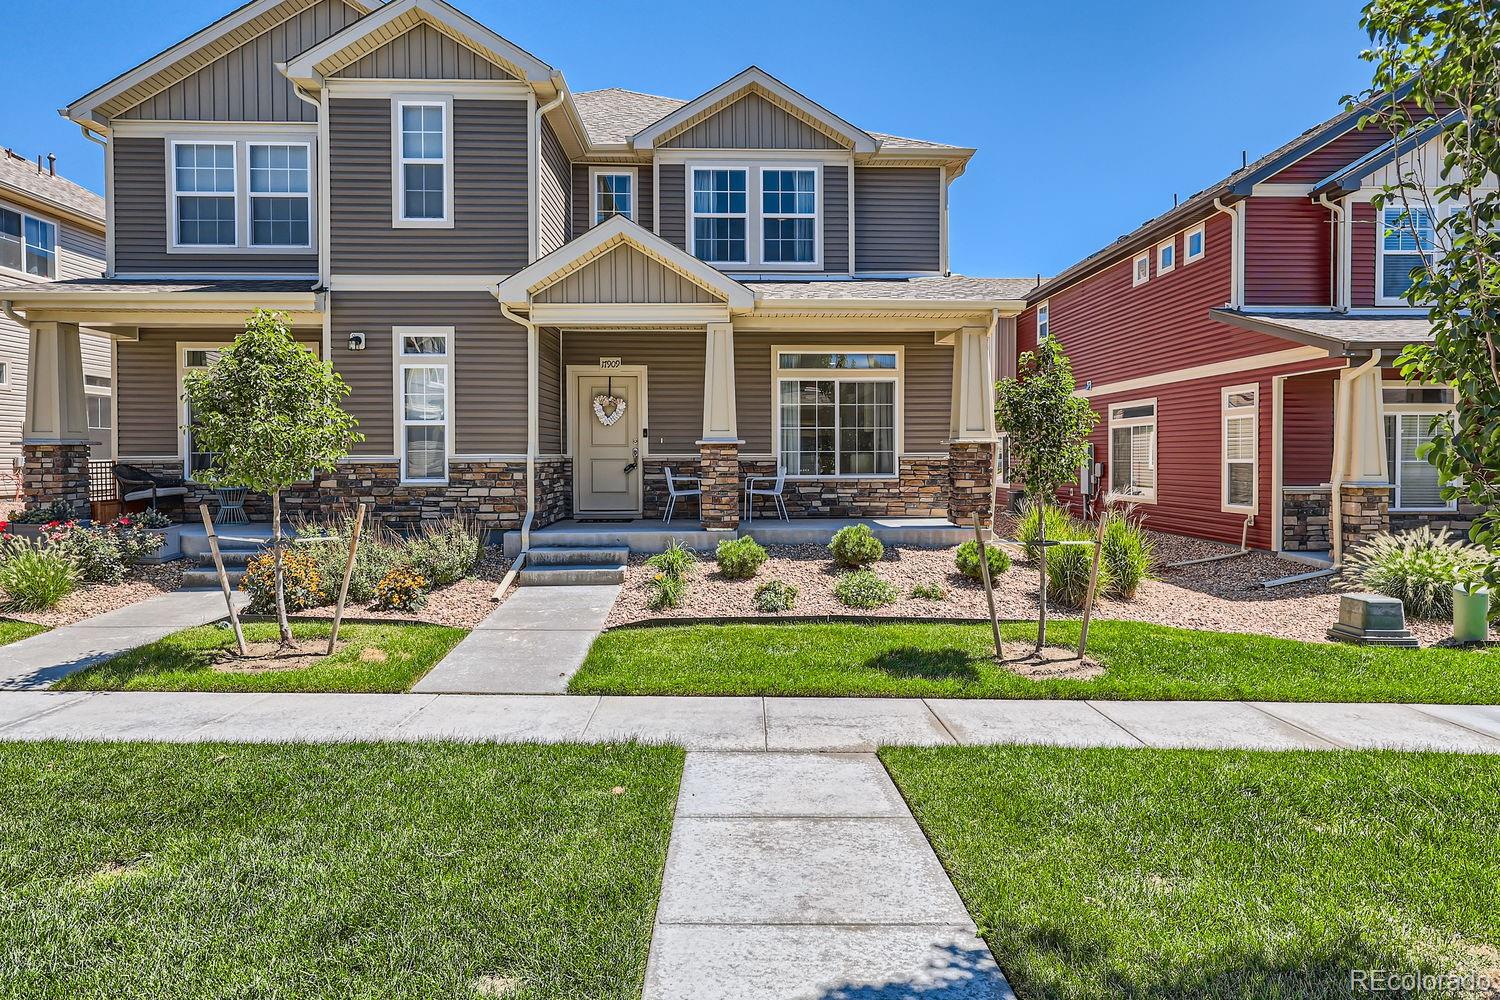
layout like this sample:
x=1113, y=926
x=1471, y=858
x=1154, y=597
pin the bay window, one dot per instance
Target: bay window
x=27, y=244
x=424, y=154
x=425, y=401
x=755, y=217
x=1132, y=449
x=1240, y=446
x=1410, y=415
x=837, y=412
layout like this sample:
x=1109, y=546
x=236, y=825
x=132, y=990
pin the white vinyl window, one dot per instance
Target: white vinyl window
x=1194, y=244
x=1043, y=321
x=837, y=412
x=27, y=244
x=614, y=194
x=1166, y=256
x=1132, y=449
x=789, y=216
x=424, y=153
x=1410, y=413
x=754, y=217
x=280, y=195
x=1241, y=444
x=194, y=461
x=720, y=216
x=1140, y=270
x=204, y=194
x=1404, y=246
x=424, y=368
x=1002, y=459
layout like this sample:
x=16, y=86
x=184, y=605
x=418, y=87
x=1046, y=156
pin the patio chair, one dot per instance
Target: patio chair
x=774, y=491
x=136, y=484
x=674, y=490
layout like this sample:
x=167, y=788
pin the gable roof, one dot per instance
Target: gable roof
x=48, y=190
x=1349, y=178
x=194, y=52
x=396, y=18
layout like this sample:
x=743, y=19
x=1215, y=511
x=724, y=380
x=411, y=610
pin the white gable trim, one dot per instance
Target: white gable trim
x=757, y=77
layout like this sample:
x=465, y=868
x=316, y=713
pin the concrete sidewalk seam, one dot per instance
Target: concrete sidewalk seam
x=1330, y=741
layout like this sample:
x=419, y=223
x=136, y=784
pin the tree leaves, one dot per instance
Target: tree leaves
x=1048, y=425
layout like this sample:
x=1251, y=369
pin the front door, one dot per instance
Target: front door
x=607, y=467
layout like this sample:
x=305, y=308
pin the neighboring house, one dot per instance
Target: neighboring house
x=482, y=254
x=50, y=229
x=1239, y=351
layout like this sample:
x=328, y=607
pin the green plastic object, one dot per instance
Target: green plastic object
x=1471, y=614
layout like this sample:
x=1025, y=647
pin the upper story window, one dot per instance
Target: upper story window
x=1141, y=270
x=1043, y=321
x=614, y=194
x=756, y=217
x=27, y=244
x=242, y=194
x=720, y=215
x=1404, y=246
x=424, y=152
x=1166, y=256
x=1194, y=244
x=280, y=195
x=204, y=193
x=789, y=215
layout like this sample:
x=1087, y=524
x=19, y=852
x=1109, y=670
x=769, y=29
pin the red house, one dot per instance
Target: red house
x=1239, y=351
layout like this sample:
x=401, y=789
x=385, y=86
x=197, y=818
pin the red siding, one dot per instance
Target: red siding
x=1362, y=256
x=1026, y=332
x=1331, y=157
x=1287, y=252
x=1307, y=412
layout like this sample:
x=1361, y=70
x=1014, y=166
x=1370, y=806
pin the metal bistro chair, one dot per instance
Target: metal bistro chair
x=136, y=485
x=674, y=491
x=752, y=491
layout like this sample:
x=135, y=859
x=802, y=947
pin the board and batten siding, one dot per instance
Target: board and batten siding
x=752, y=122
x=143, y=221
x=927, y=385
x=625, y=275
x=553, y=183
x=582, y=198
x=148, y=409
x=674, y=380
x=423, y=53
x=898, y=219
x=489, y=367
x=243, y=85
x=489, y=233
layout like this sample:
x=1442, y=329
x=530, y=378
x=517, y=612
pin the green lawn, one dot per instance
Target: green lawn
x=956, y=661
x=10, y=631
x=150, y=871
x=370, y=658
x=1172, y=875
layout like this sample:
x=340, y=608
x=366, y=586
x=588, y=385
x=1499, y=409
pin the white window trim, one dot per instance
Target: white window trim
x=898, y=376
x=635, y=191
x=184, y=432
x=1201, y=231
x=1043, y=320
x=1226, y=414
x=56, y=250
x=401, y=361
x=1162, y=247
x=1414, y=409
x=4, y=373
x=1382, y=299
x=250, y=196
x=1111, y=423
x=241, y=143
x=754, y=236
x=398, y=184
x=1136, y=280
x=1002, y=467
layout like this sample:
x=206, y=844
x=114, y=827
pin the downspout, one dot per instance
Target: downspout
x=1237, y=257
x=11, y=314
x=995, y=447
x=531, y=439
x=536, y=144
x=1340, y=444
x=1336, y=259
x=109, y=196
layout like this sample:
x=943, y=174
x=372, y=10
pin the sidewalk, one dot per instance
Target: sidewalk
x=857, y=725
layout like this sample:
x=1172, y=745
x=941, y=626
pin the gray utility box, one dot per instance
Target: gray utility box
x=1372, y=620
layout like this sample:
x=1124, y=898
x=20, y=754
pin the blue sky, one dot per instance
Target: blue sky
x=1088, y=114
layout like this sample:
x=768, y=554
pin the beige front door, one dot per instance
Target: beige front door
x=607, y=466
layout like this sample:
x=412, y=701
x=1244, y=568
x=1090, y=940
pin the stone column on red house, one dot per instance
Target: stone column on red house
x=971, y=446
x=1364, y=498
x=1364, y=510
x=55, y=434
x=719, y=449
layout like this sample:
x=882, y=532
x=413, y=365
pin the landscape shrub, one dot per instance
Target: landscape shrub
x=1068, y=569
x=304, y=584
x=855, y=546
x=775, y=596
x=1127, y=556
x=863, y=589
x=379, y=552
x=669, y=582
x=401, y=589
x=96, y=553
x=34, y=578
x=933, y=591
x=152, y=518
x=740, y=558
x=967, y=560
x=58, y=511
x=1060, y=528
x=446, y=551
x=1418, y=567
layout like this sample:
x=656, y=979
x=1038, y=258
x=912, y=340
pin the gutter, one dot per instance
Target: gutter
x=532, y=402
x=8, y=307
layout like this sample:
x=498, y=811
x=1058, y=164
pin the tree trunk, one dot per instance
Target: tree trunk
x=280, y=570
x=1041, y=533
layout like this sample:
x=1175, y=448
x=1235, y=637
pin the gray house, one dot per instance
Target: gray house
x=542, y=300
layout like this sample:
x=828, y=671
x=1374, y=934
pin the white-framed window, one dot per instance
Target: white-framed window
x=204, y=194
x=422, y=144
x=4, y=374
x=1240, y=415
x=27, y=244
x=756, y=216
x=1140, y=272
x=1194, y=244
x=1166, y=256
x=1043, y=321
x=1132, y=449
x=838, y=411
x=424, y=401
x=721, y=215
x=1410, y=413
x=789, y=215
x=613, y=193
x=1403, y=246
x=280, y=194
x=193, y=358
x=99, y=412
x=1002, y=459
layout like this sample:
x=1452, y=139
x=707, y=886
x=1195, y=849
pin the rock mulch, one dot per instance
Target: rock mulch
x=1225, y=596
x=462, y=605
x=92, y=599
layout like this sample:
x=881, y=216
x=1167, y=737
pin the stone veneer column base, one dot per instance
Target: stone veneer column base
x=1363, y=511
x=971, y=482
x=1306, y=520
x=719, y=478
x=52, y=472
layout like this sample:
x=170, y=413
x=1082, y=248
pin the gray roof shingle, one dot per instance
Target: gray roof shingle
x=1334, y=330
x=124, y=286
x=21, y=174
x=949, y=288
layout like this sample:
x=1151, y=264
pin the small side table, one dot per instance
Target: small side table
x=231, y=506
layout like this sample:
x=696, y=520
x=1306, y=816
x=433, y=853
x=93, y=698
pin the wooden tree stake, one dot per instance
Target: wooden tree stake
x=213, y=546
x=338, y=608
x=989, y=590
x=1088, y=604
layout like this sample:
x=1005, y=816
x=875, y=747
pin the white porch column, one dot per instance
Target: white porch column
x=56, y=407
x=973, y=410
x=719, y=420
x=1364, y=460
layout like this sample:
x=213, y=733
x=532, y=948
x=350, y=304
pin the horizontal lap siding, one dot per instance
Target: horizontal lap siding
x=582, y=198
x=1330, y=157
x=554, y=180
x=835, y=218
x=1363, y=237
x=897, y=218
x=1307, y=413
x=671, y=205
x=549, y=392
x=489, y=235
x=1287, y=253
x=674, y=379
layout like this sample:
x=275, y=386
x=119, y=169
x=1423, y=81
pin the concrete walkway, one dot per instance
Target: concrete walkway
x=531, y=644
x=37, y=662
x=857, y=725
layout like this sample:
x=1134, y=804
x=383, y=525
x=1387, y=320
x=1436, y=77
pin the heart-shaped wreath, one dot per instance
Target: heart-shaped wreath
x=609, y=409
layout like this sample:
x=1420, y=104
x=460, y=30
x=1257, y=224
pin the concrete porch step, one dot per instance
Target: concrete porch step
x=201, y=576
x=576, y=555
x=231, y=557
x=571, y=575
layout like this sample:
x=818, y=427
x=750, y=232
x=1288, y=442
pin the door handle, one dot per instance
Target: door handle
x=635, y=458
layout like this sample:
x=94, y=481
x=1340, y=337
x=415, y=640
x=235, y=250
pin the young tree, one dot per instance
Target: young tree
x=1049, y=429
x=268, y=411
x=1437, y=75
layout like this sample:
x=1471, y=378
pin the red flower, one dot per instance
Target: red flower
x=124, y=522
x=53, y=524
